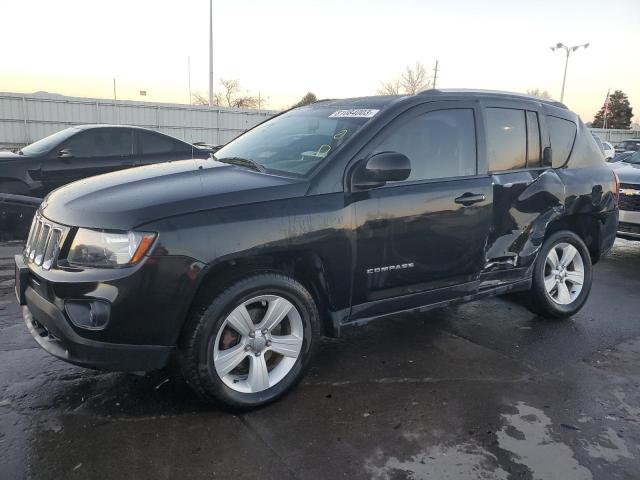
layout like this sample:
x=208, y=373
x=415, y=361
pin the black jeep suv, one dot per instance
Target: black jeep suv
x=325, y=216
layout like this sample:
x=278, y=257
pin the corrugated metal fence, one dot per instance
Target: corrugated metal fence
x=614, y=136
x=27, y=118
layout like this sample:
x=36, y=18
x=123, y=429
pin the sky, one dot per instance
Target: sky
x=334, y=48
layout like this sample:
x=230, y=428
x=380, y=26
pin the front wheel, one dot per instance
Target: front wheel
x=562, y=276
x=252, y=343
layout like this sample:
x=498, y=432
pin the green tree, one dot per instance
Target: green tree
x=619, y=112
x=306, y=100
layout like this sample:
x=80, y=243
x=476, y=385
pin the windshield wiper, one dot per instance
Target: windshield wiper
x=243, y=162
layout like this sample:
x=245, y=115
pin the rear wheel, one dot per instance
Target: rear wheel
x=252, y=343
x=562, y=276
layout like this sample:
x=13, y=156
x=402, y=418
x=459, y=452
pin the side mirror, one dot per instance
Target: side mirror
x=65, y=153
x=381, y=168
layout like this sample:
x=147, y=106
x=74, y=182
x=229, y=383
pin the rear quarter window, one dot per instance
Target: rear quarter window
x=506, y=139
x=155, y=144
x=563, y=136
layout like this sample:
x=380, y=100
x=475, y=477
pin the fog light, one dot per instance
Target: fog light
x=88, y=314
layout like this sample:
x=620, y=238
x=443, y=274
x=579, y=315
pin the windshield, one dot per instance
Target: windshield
x=635, y=159
x=47, y=143
x=297, y=141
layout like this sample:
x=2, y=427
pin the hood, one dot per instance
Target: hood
x=6, y=156
x=627, y=172
x=126, y=199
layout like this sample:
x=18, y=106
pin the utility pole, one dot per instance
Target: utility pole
x=114, y=89
x=435, y=74
x=211, y=53
x=568, y=51
x=189, y=69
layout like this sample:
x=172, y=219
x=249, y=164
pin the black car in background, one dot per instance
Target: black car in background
x=323, y=217
x=621, y=157
x=629, y=145
x=84, y=151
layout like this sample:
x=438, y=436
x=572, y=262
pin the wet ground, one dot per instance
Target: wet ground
x=481, y=391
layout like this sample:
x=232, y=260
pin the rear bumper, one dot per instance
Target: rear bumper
x=629, y=225
x=607, y=234
x=51, y=330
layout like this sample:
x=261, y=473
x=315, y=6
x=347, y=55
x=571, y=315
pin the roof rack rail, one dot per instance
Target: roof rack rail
x=546, y=101
x=428, y=91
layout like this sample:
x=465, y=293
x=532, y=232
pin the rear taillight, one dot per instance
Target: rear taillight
x=615, y=175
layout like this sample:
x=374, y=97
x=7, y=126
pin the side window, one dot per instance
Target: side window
x=439, y=144
x=533, y=140
x=154, y=144
x=563, y=134
x=101, y=142
x=506, y=139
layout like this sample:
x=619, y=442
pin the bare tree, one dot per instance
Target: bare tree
x=411, y=81
x=414, y=80
x=536, y=92
x=392, y=87
x=245, y=102
x=228, y=97
x=231, y=88
x=198, y=98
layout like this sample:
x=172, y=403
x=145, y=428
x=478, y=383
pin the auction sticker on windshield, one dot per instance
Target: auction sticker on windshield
x=355, y=113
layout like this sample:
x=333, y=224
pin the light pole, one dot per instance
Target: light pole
x=568, y=50
x=189, y=73
x=211, y=53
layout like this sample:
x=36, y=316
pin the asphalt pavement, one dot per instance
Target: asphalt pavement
x=484, y=390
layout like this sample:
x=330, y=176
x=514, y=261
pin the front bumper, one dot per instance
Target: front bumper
x=147, y=304
x=629, y=225
x=49, y=327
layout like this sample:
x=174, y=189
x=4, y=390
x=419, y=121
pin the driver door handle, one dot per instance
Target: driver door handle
x=469, y=198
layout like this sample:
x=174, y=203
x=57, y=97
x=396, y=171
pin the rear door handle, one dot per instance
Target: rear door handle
x=468, y=199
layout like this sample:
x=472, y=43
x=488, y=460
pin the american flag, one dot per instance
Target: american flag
x=606, y=109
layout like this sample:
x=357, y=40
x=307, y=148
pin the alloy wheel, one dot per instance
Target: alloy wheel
x=563, y=273
x=258, y=343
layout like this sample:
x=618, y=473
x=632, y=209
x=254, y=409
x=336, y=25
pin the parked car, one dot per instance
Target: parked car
x=629, y=145
x=323, y=217
x=605, y=147
x=207, y=146
x=84, y=151
x=628, y=170
x=609, y=151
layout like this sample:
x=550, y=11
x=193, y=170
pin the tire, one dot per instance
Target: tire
x=14, y=187
x=223, y=324
x=548, y=297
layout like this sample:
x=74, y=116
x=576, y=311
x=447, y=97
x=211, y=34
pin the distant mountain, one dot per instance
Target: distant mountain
x=47, y=94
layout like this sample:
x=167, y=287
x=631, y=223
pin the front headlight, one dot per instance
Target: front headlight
x=98, y=248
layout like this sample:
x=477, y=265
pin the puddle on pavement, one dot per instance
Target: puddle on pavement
x=525, y=440
x=527, y=435
x=610, y=447
x=467, y=461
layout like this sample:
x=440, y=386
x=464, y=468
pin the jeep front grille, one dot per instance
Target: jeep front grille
x=44, y=242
